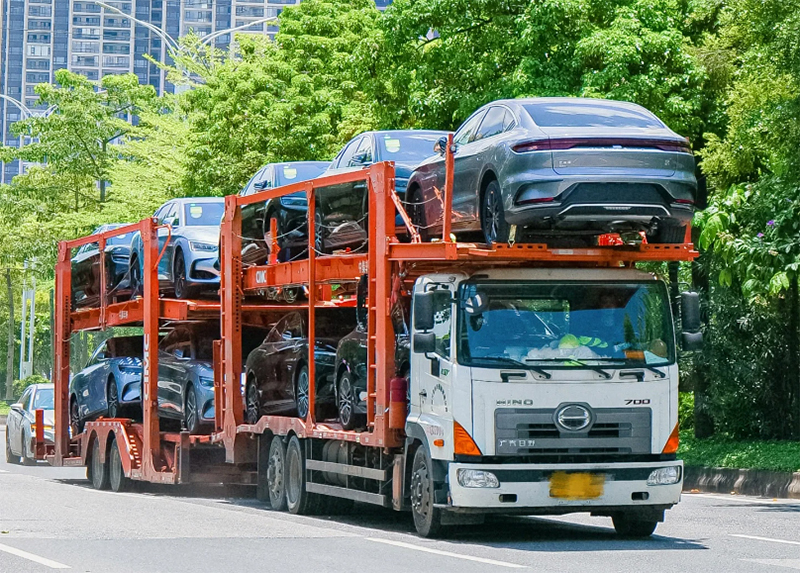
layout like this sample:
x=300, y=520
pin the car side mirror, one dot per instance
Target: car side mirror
x=17, y=407
x=691, y=337
x=440, y=146
x=424, y=342
x=423, y=310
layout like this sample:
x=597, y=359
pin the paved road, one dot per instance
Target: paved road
x=50, y=518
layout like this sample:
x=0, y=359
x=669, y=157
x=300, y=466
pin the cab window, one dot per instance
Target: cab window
x=442, y=305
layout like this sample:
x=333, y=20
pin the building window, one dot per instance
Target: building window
x=36, y=78
x=86, y=20
x=90, y=61
x=39, y=24
x=41, y=51
x=116, y=48
x=116, y=61
x=86, y=47
x=116, y=22
x=251, y=11
x=37, y=65
x=119, y=35
x=39, y=38
x=41, y=11
x=86, y=33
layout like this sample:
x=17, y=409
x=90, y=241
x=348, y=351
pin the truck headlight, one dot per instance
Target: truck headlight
x=665, y=476
x=204, y=247
x=477, y=478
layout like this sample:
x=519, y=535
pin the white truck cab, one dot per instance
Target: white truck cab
x=545, y=391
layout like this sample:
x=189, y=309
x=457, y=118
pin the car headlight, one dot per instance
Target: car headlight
x=207, y=382
x=477, y=478
x=665, y=476
x=203, y=247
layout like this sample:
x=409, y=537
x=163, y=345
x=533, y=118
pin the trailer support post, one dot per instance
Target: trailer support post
x=151, y=438
x=63, y=324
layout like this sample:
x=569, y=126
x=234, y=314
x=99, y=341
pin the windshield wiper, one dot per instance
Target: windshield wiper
x=581, y=363
x=507, y=360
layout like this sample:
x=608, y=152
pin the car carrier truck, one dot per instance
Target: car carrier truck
x=540, y=380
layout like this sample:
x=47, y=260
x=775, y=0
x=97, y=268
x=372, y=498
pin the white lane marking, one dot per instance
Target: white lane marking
x=35, y=558
x=4, y=471
x=790, y=563
x=724, y=497
x=446, y=553
x=757, y=538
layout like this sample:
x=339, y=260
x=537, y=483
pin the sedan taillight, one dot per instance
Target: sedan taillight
x=614, y=143
x=539, y=145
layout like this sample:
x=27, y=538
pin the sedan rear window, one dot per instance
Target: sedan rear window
x=567, y=114
x=204, y=214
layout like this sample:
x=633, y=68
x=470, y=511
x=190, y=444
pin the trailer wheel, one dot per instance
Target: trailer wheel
x=628, y=526
x=276, y=474
x=97, y=470
x=116, y=473
x=298, y=500
x=427, y=518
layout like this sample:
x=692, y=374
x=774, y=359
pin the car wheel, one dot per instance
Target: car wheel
x=179, y=278
x=416, y=212
x=10, y=457
x=302, y=388
x=252, y=403
x=97, y=470
x=347, y=402
x=667, y=234
x=75, y=421
x=627, y=526
x=116, y=473
x=135, y=273
x=427, y=518
x=276, y=474
x=493, y=219
x=112, y=398
x=319, y=233
x=26, y=459
x=190, y=413
x=290, y=294
x=298, y=500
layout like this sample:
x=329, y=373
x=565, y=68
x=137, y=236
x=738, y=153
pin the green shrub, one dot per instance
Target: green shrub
x=724, y=452
x=686, y=410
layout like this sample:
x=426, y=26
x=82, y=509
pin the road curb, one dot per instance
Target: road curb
x=761, y=483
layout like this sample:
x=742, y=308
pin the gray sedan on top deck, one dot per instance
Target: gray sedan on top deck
x=542, y=167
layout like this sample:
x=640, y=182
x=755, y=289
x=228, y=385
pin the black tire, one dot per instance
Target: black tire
x=667, y=234
x=347, y=401
x=630, y=527
x=427, y=518
x=493, y=219
x=116, y=473
x=26, y=461
x=252, y=411
x=10, y=457
x=276, y=474
x=298, y=500
x=302, y=387
x=319, y=233
x=191, y=416
x=180, y=281
x=290, y=294
x=416, y=212
x=135, y=272
x=97, y=471
x=75, y=422
x=112, y=398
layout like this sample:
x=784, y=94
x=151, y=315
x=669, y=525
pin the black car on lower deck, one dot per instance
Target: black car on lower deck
x=351, y=367
x=277, y=370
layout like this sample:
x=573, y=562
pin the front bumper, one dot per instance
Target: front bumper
x=204, y=271
x=525, y=488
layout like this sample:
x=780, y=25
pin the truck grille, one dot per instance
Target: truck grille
x=613, y=431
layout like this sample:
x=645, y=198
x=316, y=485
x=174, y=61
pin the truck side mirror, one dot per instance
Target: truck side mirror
x=423, y=310
x=691, y=337
x=424, y=342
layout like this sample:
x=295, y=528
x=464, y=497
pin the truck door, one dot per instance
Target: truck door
x=431, y=395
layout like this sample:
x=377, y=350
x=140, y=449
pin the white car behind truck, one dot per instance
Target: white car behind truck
x=544, y=391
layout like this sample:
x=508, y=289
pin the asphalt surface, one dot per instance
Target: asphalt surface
x=50, y=518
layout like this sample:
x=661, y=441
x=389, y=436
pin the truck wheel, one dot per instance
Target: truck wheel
x=427, y=518
x=98, y=471
x=10, y=457
x=276, y=474
x=298, y=500
x=116, y=473
x=628, y=526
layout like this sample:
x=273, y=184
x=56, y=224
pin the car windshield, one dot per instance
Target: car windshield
x=204, y=214
x=565, y=324
x=406, y=147
x=297, y=172
x=43, y=399
x=567, y=114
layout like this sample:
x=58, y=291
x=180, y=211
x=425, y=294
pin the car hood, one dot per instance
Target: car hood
x=200, y=234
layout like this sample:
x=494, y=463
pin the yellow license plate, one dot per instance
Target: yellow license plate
x=576, y=485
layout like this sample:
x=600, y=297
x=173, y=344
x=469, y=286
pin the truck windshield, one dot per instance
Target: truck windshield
x=564, y=325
